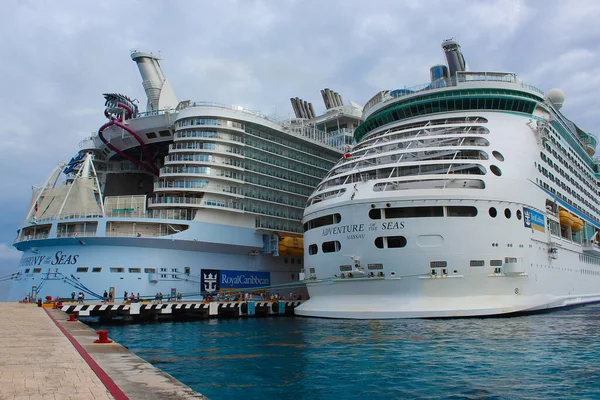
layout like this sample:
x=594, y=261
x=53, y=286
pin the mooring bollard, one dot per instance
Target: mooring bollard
x=71, y=318
x=103, y=337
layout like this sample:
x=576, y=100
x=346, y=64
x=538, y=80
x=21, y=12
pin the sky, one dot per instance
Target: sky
x=59, y=57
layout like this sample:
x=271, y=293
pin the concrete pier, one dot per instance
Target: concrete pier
x=41, y=359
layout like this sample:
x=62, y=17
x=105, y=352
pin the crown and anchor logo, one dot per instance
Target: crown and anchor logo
x=210, y=280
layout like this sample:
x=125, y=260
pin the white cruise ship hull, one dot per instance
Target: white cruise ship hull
x=408, y=289
x=178, y=263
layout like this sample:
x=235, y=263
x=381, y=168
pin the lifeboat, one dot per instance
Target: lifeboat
x=291, y=246
x=577, y=224
x=566, y=218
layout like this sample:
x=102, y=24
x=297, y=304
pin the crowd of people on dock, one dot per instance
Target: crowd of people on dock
x=130, y=297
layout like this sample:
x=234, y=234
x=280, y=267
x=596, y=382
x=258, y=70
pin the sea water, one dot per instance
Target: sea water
x=551, y=355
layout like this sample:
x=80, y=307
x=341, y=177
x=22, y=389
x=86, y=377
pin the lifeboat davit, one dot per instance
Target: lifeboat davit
x=291, y=246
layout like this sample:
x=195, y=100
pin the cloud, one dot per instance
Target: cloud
x=8, y=256
x=60, y=58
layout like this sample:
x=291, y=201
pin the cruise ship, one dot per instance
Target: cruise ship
x=189, y=198
x=471, y=195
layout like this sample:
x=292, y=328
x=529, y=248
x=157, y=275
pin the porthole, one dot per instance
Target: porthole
x=498, y=155
x=507, y=213
x=493, y=212
x=519, y=215
x=495, y=170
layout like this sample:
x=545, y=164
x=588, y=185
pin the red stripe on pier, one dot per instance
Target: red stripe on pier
x=103, y=376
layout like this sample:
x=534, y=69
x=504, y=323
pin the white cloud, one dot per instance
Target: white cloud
x=59, y=59
x=9, y=254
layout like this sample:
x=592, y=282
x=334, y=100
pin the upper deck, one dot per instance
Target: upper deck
x=465, y=91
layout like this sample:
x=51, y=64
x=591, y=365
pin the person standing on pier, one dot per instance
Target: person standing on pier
x=125, y=297
x=105, y=297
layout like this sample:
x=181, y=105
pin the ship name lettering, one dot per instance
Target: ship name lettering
x=344, y=229
x=64, y=259
x=356, y=236
x=392, y=225
x=29, y=261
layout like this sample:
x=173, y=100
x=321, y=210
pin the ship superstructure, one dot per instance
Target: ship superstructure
x=470, y=195
x=187, y=197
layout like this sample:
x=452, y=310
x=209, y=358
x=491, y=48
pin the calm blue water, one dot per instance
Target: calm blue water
x=554, y=355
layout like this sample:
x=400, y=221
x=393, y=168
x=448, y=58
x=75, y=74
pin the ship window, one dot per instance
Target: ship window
x=390, y=242
x=498, y=155
x=554, y=227
x=495, y=170
x=493, y=212
x=375, y=266
x=331, y=247
x=82, y=269
x=313, y=249
x=292, y=261
x=187, y=270
x=164, y=133
x=461, y=211
x=37, y=270
x=396, y=242
x=375, y=214
x=135, y=270
x=150, y=270
x=151, y=135
x=345, y=268
x=322, y=221
x=117, y=269
x=496, y=263
x=97, y=269
x=311, y=270
x=438, y=264
x=27, y=270
x=507, y=213
x=414, y=212
x=477, y=263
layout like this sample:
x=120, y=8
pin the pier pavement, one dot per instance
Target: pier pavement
x=40, y=360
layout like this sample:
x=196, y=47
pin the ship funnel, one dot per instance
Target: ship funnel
x=302, y=109
x=331, y=99
x=158, y=90
x=454, y=57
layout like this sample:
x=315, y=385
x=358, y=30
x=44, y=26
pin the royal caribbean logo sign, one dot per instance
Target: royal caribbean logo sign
x=213, y=280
